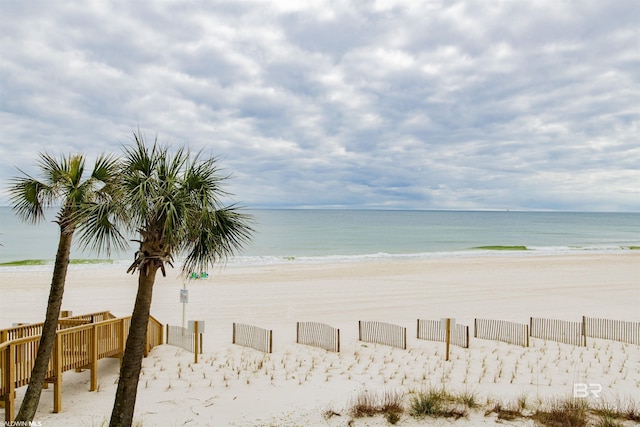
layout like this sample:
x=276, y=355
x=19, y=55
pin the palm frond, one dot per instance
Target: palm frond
x=99, y=227
x=218, y=235
x=106, y=168
x=29, y=198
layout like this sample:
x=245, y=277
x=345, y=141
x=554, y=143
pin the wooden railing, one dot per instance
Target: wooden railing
x=33, y=329
x=74, y=348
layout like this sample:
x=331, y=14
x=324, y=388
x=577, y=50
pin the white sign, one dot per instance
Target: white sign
x=184, y=296
x=192, y=326
x=443, y=323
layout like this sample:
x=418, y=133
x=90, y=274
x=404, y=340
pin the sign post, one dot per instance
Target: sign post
x=447, y=324
x=184, y=299
x=196, y=327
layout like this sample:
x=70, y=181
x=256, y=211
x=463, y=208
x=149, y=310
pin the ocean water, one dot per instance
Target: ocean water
x=338, y=235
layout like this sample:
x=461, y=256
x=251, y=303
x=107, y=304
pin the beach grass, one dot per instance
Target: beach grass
x=438, y=402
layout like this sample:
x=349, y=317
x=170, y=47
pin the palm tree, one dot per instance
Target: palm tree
x=174, y=205
x=62, y=183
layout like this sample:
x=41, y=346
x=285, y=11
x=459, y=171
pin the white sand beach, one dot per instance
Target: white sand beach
x=299, y=385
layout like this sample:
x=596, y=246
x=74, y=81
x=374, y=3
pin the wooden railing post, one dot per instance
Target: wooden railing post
x=10, y=384
x=160, y=333
x=146, y=341
x=94, y=358
x=57, y=385
x=122, y=339
x=196, y=338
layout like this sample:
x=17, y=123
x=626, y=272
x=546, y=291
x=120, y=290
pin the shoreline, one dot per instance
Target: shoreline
x=605, y=283
x=259, y=260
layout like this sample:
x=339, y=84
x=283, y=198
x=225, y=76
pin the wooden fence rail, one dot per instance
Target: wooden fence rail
x=432, y=331
x=383, y=333
x=74, y=348
x=502, y=330
x=558, y=330
x=253, y=337
x=318, y=335
x=32, y=329
x=617, y=330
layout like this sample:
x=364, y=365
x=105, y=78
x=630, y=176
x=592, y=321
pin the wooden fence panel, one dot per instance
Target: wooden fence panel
x=502, y=330
x=557, y=330
x=318, y=335
x=616, y=330
x=181, y=337
x=76, y=347
x=431, y=330
x=253, y=337
x=108, y=334
x=383, y=333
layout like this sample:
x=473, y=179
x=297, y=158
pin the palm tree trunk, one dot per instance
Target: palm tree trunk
x=34, y=390
x=125, y=401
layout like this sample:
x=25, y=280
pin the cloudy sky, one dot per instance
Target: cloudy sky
x=395, y=104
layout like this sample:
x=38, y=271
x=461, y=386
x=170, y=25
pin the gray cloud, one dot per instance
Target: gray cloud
x=389, y=104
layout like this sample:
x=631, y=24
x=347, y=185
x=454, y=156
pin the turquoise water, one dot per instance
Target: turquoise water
x=286, y=235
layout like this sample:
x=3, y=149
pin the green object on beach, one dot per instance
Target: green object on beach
x=502, y=248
